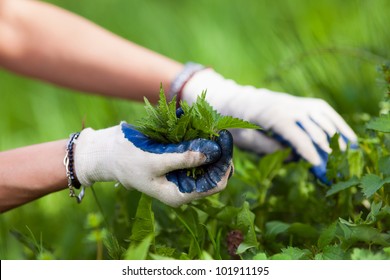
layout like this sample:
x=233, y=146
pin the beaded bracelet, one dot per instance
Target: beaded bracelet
x=69, y=166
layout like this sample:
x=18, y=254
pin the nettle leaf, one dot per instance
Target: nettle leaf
x=331, y=252
x=144, y=221
x=335, y=188
x=371, y=183
x=353, y=233
x=375, y=211
x=337, y=166
x=245, y=222
x=226, y=122
x=114, y=249
x=382, y=123
x=384, y=165
x=178, y=132
x=327, y=236
x=292, y=253
x=365, y=254
x=296, y=253
x=139, y=251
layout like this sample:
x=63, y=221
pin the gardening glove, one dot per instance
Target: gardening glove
x=123, y=154
x=304, y=124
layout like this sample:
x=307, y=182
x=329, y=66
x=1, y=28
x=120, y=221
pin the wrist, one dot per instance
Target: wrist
x=178, y=83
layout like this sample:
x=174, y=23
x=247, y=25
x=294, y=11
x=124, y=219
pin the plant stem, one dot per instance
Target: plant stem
x=100, y=207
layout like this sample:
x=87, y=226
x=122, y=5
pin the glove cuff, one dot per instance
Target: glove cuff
x=93, y=154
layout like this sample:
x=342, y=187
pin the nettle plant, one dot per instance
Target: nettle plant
x=273, y=209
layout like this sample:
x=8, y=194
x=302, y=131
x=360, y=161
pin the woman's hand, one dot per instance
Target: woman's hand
x=123, y=154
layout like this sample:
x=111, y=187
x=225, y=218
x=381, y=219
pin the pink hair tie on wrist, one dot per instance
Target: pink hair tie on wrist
x=177, y=85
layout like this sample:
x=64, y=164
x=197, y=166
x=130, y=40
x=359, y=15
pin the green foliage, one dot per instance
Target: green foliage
x=143, y=224
x=326, y=48
x=197, y=121
x=34, y=248
x=380, y=124
x=140, y=251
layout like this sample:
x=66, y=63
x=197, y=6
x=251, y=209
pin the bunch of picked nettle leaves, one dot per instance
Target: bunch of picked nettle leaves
x=166, y=124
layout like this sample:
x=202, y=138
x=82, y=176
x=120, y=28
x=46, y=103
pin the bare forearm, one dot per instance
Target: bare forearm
x=48, y=43
x=31, y=172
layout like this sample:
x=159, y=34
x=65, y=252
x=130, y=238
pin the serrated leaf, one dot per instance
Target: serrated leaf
x=192, y=134
x=335, y=188
x=227, y=122
x=152, y=113
x=115, y=251
x=382, y=123
x=347, y=232
x=354, y=233
x=144, y=220
x=292, y=253
x=327, y=236
x=334, y=252
x=364, y=254
x=371, y=183
x=384, y=165
x=375, y=210
x=245, y=222
x=139, y=251
x=296, y=253
x=164, y=251
x=178, y=131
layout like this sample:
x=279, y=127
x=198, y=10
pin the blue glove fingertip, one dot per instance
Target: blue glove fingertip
x=185, y=183
x=320, y=170
x=215, y=172
x=225, y=141
x=352, y=145
x=209, y=148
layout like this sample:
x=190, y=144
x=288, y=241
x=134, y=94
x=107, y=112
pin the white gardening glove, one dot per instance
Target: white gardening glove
x=304, y=124
x=123, y=154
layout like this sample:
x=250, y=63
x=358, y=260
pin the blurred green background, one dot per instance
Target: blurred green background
x=326, y=48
